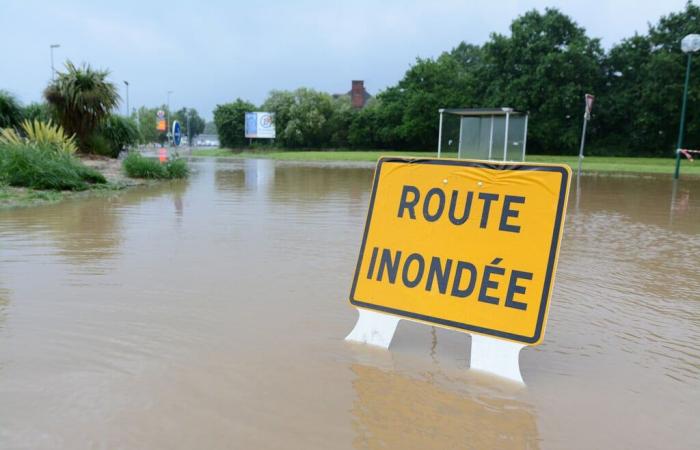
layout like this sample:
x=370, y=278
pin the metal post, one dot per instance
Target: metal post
x=583, y=140
x=459, y=141
x=167, y=119
x=505, y=144
x=127, y=97
x=682, y=126
x=440, y=134
x=525, y=136
x=491, y=138
x=53, y=71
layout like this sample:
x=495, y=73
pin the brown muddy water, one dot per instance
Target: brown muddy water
x=211, y=314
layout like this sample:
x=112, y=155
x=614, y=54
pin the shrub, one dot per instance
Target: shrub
x=43, y=135
x=137, y=166
x=119, y=133
x=36, y=167
x=230, y=122
x=10, y=110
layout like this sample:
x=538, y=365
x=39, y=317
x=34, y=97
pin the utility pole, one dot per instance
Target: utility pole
x=167, y=118
x=127, y=98
x=53, y=71
x=689, y=45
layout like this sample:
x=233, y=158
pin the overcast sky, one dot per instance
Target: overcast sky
x=211, y=52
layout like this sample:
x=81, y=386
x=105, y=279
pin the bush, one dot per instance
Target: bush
x=43, y=135
x=36, y=167
x=10, y=110
x=137, y=166
x=119, y=133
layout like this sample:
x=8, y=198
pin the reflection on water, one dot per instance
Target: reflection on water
x=210, y=313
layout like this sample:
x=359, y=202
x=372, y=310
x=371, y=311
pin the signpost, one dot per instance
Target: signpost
x=177, y=133
x=259, y=125
x=586, y=117
x=160, y=121
x=467, y=245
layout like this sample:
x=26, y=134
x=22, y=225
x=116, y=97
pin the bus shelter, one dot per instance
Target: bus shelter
x=496, y=134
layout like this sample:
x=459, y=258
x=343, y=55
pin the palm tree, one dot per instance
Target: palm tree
x=82, y=98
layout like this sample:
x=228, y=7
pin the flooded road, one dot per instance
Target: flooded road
x=211, y=313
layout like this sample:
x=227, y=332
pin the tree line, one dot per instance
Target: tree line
x=544, y=66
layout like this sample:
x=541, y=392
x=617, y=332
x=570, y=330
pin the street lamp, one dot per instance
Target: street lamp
x=53, y=71
x=127, y=97
x=689, y=45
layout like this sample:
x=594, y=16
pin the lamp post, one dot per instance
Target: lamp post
x=53, y=71
x=689, y=44
x=167, y=117
x=126, y=83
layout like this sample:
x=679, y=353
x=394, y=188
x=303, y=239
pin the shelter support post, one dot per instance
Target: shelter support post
x=440, y=135
x=525, y=136
x=505, y=140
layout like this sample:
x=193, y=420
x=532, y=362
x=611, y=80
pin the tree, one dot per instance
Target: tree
x=147, y=121
x=545, y=67
x=642, y=98
x=82, y=98
x=230, y=122
x=196, y=122
x=10, y=111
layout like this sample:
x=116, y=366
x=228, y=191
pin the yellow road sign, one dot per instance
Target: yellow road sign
x=469, y=245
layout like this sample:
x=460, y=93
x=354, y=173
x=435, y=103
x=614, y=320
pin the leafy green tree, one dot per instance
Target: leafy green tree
x=640, y=109
x=10, y=111
x=545, y=67
x=82, y=98
x=196, y=122
x=230, y=122
x=146, y=119
x=38, y=111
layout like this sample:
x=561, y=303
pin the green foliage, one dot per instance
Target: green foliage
x=38, y=111
x=44, y=135
x=35, y=167
x=82, y=98
x=120, y=133
x=147, y=120
x=196, y=122
x=137, y=166
x=210, y=128
x=230, y=122
x=640, y=105
x=10, y=110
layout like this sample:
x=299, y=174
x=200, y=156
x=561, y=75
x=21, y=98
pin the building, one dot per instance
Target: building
x=358, y=94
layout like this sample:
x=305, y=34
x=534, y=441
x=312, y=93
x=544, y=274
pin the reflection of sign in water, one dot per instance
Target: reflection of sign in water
x=260, y=125
x=463, y=244
x=177, y=133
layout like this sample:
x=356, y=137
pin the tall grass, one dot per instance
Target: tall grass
x=137, y=166
x=34, y=167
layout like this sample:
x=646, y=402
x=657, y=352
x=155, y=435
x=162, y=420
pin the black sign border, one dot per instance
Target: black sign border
x=546, y=292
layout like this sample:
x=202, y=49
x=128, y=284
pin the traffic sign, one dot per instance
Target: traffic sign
x=468, y=245
x=177, y=133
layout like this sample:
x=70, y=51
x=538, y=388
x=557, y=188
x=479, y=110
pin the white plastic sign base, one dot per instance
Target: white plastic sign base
x=490, y=355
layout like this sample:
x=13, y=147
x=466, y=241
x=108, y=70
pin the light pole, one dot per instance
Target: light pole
x=53, y=71
x=167, y=117
x=689, y=44
x=126, y=83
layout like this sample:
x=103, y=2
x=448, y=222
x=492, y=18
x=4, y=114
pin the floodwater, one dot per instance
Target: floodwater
x=211, y=313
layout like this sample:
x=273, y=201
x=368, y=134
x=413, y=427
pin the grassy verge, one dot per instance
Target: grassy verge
x=590, y=164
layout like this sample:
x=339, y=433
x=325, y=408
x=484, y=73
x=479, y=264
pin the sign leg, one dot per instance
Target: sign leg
x=496, y=357
x=373, y=328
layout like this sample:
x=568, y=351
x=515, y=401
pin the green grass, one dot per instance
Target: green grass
x=41, y=169
x=137, y=166
x=609, y=164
